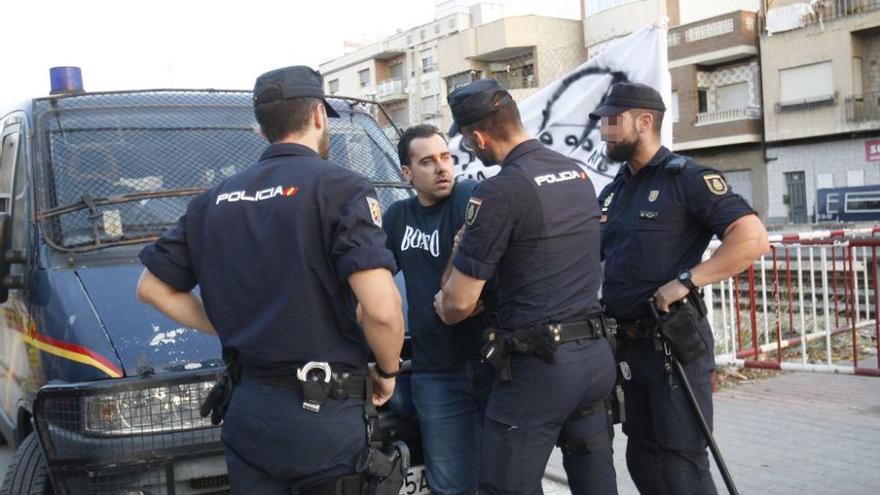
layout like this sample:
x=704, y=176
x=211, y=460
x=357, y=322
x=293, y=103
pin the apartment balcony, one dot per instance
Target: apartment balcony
x=822, y=11
x=865, y=108
x=391, y=90
x=714, y=41
x=723, y=116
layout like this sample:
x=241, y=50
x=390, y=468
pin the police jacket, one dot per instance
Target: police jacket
x=271, y=249
x=658, y=223
x=535, y=226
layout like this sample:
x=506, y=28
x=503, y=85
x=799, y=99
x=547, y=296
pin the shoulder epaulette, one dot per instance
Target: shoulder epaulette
x=676, y=165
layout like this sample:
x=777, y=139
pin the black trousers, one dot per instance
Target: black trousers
x=666, y=451
x=527, y=416
x=274, y=446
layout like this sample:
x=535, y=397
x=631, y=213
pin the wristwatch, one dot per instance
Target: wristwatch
x=382, y=373
x=685, y=278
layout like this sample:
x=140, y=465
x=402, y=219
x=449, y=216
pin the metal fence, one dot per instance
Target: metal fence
x=809, y=304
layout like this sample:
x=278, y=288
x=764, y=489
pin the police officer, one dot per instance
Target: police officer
x=658, y=216
x=534, y=226
x=282, y=251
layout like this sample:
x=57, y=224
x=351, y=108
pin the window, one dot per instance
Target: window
x=7, y=169
x=832, y=203
x=396, y=71
x=702, y=100
x=806, y=83
x=452, y=23
x=862, y=202
x=333, y=86
x=855, y=178
x=674, y=106
x=459, y=79
x=422, y=35
x=732, y=97
x=437, y=28
x=409, y=39
x=364, y=77
x=427, y=61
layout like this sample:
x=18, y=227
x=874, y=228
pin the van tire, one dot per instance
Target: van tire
x=27, y=472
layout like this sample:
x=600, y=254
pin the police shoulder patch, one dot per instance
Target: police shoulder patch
x=473, y=209
x=716, y=184
x=375, y=211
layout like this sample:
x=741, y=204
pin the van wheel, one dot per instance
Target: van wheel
x=27, y=472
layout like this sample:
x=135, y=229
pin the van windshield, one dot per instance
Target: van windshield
x=120, y=168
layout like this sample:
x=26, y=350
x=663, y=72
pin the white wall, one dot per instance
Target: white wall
x=834, y=157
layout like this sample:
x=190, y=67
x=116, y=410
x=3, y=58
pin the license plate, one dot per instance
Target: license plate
x=416, y=482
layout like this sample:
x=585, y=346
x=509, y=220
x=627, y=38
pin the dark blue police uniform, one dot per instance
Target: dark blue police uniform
x=535, y=228
x=271, y=249
x=656, y=224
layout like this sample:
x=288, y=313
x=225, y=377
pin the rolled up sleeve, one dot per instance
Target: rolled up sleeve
x=168, y=258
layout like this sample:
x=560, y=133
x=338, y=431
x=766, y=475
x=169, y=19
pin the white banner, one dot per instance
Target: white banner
x=558, y=115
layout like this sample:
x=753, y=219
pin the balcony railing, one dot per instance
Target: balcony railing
x=391, y=89
x=515, y=82
x=863, y=108
x=823, y=11
x=721, y=116
x=807, y=103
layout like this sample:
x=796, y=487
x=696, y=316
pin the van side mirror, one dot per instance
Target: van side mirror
x=8, y=257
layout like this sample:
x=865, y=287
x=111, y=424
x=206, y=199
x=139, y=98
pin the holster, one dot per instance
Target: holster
x=680, y=327
x=217, y=401
x=384, y=471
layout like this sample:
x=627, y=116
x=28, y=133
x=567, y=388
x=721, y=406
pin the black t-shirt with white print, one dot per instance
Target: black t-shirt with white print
x=421, y=239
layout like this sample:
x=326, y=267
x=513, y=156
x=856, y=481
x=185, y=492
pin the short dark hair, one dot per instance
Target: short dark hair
x=281, y=117
x=657, y=114
x=501, y=124
x=420, y=131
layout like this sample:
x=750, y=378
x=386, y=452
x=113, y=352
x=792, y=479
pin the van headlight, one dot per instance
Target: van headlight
x=159, y=409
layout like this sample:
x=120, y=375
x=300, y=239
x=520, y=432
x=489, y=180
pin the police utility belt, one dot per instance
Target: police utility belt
x=541, y=340
x=317, y=382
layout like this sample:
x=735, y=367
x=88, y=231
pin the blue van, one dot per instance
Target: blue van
x=99, y=393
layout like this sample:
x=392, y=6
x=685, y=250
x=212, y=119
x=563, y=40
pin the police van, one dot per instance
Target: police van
x=100, y=393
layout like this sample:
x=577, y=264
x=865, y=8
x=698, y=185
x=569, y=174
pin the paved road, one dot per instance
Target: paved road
x=794, y=434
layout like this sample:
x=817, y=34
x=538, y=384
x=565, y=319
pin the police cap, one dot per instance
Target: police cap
x=473, y=101
x=626, y=96
x=298, y=81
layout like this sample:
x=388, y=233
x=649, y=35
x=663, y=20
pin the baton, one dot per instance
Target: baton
x=686, y=385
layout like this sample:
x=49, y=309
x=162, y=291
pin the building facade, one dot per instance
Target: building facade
x=821, y=78
x=716, y=83
x=522, y=53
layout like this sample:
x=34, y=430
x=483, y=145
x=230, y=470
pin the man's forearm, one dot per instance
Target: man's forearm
x=743, y=243
x=183, y=307
x=381, y=315
x=187, y=309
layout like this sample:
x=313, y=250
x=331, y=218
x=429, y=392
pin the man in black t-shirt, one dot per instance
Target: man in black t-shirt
x=449, y=384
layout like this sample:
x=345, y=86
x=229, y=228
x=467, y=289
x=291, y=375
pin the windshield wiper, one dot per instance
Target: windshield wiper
x=86, y=201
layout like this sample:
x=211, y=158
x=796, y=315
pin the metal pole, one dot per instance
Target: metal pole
x=803, y=331
x=764, y=298
x=826, y=303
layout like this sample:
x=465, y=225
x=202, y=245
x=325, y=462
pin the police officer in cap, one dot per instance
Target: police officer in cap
x=535, y=227
x=658, y=216
x=282, y=252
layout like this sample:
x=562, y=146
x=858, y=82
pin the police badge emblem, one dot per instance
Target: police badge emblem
x=653, y=196
x=375, y=211
x=716, y=184
x=473, y=208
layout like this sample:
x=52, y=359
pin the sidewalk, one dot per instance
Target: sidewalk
x=795, y=434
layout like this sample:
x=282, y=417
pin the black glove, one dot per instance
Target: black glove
x=217, y=401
